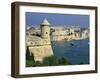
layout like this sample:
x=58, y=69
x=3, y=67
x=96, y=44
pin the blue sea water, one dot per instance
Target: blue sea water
x=76, y=52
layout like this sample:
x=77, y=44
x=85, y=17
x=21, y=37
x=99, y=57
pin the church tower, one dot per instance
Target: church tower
x=45, y=29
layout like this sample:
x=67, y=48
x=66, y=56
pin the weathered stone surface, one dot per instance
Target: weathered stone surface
x=41, y=52
x=40, y=46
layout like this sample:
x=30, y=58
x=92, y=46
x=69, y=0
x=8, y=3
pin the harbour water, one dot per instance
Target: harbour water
x=76, y=52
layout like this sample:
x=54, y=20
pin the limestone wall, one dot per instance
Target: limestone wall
x=41, y=52
x=45, y=32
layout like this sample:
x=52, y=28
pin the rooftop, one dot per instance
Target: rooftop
x=45, y=22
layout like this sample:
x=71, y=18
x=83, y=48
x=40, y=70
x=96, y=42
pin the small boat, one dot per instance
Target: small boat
x=71, y=44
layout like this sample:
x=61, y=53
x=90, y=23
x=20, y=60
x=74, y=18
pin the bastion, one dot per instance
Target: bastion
x=40, y=46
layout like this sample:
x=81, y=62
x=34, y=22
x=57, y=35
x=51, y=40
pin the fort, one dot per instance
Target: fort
x=38, y=39
x=40, y=46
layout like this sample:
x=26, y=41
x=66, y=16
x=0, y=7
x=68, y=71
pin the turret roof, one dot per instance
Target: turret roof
x=45, y=22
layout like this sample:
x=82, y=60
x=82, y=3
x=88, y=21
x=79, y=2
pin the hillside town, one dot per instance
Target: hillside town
x=58, y=33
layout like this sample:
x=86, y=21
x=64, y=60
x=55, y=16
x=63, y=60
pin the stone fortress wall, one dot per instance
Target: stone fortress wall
x=40, y=45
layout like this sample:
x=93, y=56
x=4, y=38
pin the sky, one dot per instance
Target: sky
x=36, y=19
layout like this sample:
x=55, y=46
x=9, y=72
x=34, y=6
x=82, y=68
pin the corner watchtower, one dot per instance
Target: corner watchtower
x=45, y=29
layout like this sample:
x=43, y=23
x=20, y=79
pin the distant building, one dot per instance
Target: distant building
x=61, y=33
